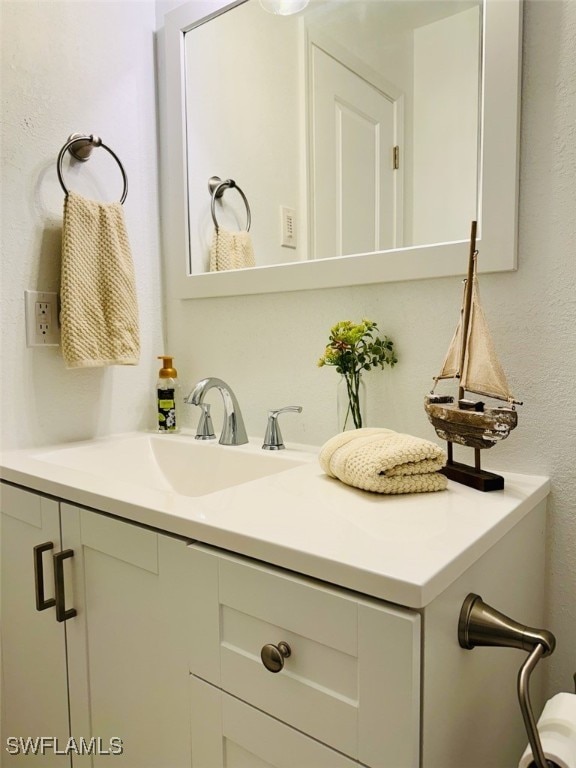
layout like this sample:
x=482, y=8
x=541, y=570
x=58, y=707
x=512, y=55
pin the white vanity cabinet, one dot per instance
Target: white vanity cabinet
x=355, y=599
x=351, y=680
x=115, y=669
x=366, y=682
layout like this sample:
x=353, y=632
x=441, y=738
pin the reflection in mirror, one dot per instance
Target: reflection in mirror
x=352, y=127
x=279, y=169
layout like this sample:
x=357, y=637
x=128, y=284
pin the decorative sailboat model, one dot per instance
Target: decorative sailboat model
x=471, y=359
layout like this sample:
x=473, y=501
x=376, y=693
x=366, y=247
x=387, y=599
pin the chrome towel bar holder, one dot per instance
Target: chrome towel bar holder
x=481, y=625
x=216, y=187
x=80, y=146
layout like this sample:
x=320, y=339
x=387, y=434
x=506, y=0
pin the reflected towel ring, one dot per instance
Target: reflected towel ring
x=216, y=188
x=82, y=153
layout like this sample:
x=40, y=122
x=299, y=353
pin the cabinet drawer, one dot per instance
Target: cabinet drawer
x=352, y=679
x=227, y=733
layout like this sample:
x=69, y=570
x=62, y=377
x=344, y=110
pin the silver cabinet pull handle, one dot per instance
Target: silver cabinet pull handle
x=273, y=656
x=41, y=602
x=61, y=613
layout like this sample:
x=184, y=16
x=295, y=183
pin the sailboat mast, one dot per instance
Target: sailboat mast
x=467, y=303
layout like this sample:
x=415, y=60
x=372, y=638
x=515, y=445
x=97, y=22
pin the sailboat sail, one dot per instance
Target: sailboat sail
x=482, y=372
x=451, y=365
x=450, y=368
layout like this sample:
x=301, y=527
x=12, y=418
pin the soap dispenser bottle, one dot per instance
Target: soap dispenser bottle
x=166, y=393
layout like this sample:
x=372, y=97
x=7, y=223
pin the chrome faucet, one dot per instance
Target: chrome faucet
x=233, y=430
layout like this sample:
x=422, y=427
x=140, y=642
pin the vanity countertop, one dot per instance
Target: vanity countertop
x=405, y=549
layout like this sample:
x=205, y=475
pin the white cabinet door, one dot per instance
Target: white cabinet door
x=226, y=733
x=34, y=688
x=127, y=644
x=114, y=673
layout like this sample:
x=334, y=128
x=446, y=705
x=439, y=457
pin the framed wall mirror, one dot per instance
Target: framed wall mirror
x=364, y=135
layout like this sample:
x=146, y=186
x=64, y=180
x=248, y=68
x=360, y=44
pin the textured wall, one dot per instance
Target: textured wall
x=267, y=346
x=66, y=67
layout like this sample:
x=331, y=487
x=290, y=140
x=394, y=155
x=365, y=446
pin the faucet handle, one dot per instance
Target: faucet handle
x=205, y=429
x=273, y=439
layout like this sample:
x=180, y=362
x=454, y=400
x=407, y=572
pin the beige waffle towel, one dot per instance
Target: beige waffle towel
x=384, y=461
x=99, y=313
x=231, y=250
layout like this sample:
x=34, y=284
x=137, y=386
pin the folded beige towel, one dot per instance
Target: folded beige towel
x=99, y=313
x=384, y=461
x=231, y=250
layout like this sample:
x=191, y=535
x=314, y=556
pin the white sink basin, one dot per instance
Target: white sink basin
x=177, y=463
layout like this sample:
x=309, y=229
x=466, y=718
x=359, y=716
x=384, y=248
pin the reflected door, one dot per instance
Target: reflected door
x=357, y=188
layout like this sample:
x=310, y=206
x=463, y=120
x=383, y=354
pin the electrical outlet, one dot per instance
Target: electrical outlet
x=288, y=219
x=42, y=326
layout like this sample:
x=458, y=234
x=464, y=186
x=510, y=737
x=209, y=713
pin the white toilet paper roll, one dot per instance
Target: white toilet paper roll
x=557, y=729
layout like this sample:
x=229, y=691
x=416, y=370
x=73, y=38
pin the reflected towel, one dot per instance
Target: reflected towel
x=231, y=250
x=384, y=461
x=99, y=314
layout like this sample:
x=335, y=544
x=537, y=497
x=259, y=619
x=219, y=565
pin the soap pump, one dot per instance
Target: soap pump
x=166, y=389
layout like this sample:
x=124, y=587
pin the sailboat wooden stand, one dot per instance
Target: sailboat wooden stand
x=471, y=358
x=475, y=477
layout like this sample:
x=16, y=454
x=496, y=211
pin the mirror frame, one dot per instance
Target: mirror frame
x=498, y=177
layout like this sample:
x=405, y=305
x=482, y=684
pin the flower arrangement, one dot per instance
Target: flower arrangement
x=354, y=348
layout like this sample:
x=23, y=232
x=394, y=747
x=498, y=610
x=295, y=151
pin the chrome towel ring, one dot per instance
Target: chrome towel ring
x=80, y=147
x=216, y=188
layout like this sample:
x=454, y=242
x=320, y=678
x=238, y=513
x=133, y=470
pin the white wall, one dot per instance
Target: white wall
x=66, y=67
x=267, y=346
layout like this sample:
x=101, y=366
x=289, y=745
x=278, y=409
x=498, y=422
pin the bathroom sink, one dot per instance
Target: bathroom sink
x=194, y=468
x=176, y=463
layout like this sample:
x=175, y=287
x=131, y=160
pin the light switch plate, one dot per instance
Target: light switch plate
x=288, y=227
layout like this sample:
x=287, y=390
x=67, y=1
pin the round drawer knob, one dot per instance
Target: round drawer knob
x=273, y=656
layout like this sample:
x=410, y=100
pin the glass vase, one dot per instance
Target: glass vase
x=351, y=402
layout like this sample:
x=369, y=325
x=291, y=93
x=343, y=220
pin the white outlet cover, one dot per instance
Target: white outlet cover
x=42, y=322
